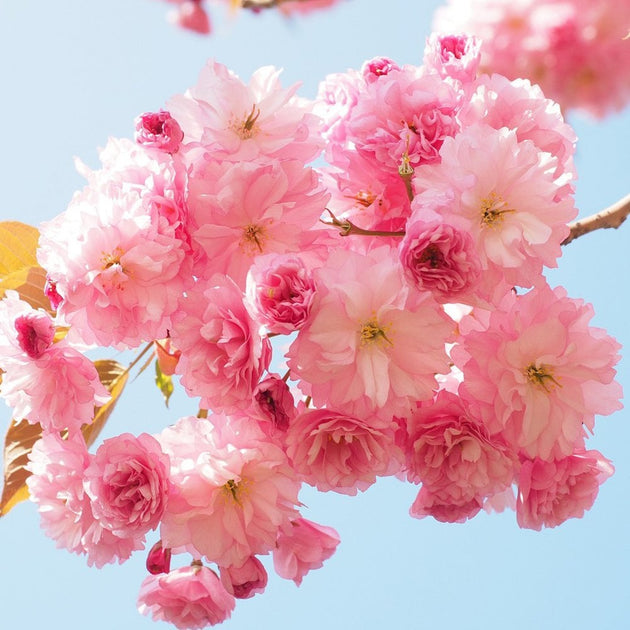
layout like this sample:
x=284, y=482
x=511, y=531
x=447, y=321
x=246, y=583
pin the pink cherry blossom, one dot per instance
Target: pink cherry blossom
x=454, y=56
x=280, y=291
x=274, y=405
x=443, y=507
x=335, y=451
x=222, y=352
x=372, y=344
x=245, y=580
x=158, y=559
x=538, y=373
x=231, y=489
x=127, y=481
x=160, y=130
x=550, y=492
x=302, y=546
x=189, y=597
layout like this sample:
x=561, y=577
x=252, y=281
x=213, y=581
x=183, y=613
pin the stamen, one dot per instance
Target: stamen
x=541, y=375
x=493, y=209
x=372, y=332
x=253, y=239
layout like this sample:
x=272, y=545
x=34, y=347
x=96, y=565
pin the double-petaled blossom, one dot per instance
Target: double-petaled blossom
x=245, y=580
x=231, y=489
x=453, y=56
x=46, y=382
x=160, y=130
x=537, y=373
x=301, y=546
x=550, y=492
x=189, y=598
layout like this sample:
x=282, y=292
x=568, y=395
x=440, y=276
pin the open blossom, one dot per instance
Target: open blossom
x=372, y=344
x=550, y=492
x=575, y=50
x=45, y=382
x=280, y=291
x=160, y=130
x=223, y=354
x=454, y=56
x=335, y=451
x=538, y=373
x=127, y=481
x=303, y=545
x=189, y=597
x=231, y=489
x=245, y=580
x=241, y=122
x=451, y=453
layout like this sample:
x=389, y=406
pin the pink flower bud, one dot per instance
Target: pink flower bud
x=273, y=399
x=159, y=130
x=50, y=291
x=246, y=580
x=35, y=333
x=159, y=559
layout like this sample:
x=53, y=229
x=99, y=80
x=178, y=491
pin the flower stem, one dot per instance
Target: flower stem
x=346, y=228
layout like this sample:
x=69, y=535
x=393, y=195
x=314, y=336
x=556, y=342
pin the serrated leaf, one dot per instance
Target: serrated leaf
x=21, y=436
x=17, y=445
x=164, y=383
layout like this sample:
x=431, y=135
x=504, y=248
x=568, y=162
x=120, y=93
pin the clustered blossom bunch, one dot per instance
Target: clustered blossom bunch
x=422, y=338
x=578, y=51
x=192, y=15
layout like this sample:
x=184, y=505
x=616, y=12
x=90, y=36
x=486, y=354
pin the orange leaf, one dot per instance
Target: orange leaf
x=21, y=436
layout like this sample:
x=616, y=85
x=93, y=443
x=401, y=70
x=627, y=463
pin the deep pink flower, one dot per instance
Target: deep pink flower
x=378, y=67
x=160, y=130
x=274, y=404
x=158, y=559
x=127, y=481
x=537, y=373
x=444, y=508
x=189, y=598
x=335, y=451
x=303, y=545
x=35, y=333
x=245, y=580
x=280, y=292
x=550, y=492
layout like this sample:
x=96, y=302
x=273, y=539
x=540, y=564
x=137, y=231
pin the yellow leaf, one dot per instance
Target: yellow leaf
x=18, y=244
x=164, y=383
x=29, y=282
x=22, y=435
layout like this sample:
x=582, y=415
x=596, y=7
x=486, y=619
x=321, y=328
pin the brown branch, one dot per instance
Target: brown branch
x=346, y=227
x=611, y=217
x=256, y=5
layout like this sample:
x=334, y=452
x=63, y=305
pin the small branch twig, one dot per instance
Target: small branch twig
x=256, y=5
x=346, y=227
x=611, y=217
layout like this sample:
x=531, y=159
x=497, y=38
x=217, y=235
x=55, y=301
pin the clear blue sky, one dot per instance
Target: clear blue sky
x=73, y=73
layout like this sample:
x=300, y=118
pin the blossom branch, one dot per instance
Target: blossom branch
x=611, y=217
x=263, y=4
x=346, y=228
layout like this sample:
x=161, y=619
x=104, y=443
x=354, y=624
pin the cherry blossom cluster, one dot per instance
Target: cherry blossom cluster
x=404, y=282
x=576, y=50
x=192, y=15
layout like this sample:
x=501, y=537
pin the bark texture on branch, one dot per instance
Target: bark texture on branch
x=611, y=217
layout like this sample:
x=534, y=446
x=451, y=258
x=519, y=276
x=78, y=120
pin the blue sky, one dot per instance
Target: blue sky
x=76, y=72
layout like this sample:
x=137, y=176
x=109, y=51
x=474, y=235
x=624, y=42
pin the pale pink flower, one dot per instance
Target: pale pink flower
x=454, y=56
x=159, y=130
x=223, y=354
x=451, y=453
x=127, y=481
x=189, y=598
x=231, y=489
x=508, y=193
x=538, y=373
x=241, y=122
x=279, y=292
x=334, y=451
x=372, y=345
x=378, y=67
x=303, y=545
x=444, y=508
x=45, y=382
x=242, y=211
x=245, y=580
x=550, y=492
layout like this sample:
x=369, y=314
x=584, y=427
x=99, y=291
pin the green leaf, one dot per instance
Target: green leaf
x=164, y=383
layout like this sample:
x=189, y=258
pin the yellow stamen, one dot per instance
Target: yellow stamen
x=493, y=209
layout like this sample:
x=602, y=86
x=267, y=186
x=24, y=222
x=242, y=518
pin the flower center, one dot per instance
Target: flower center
x=432, y=256
x=372, y=332
x=364, y=198
x=111, y=259
x=234, y=490
x=253, y=239
x=542, y=376
x=247, y=127
x=493, y=209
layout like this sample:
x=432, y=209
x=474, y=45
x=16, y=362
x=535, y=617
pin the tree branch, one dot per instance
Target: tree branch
x=611, y=217
x=263, y=4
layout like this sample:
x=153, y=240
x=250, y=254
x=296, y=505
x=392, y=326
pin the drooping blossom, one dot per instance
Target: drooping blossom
x=574, y=49
x=222, y=352
x=242, y=122
x=302, y=546
x=451, y=453
x=372, y=344
x=46, y=382
x=244, y=580
x=334, y=451
x=537, y=373
x=443, y=507
x=127, y=481
x=189, y=598
x=280, y=291
x=231, y=489
x=160, y=130
x=273, y=405
x=550, y=492
x=159, y=559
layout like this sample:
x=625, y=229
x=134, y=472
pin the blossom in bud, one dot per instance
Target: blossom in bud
x=191, y=16
x=159, y=130
x=158, y=559
x=50, y=291
x=274, y=402
x=246, y=580
x=378, y=67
